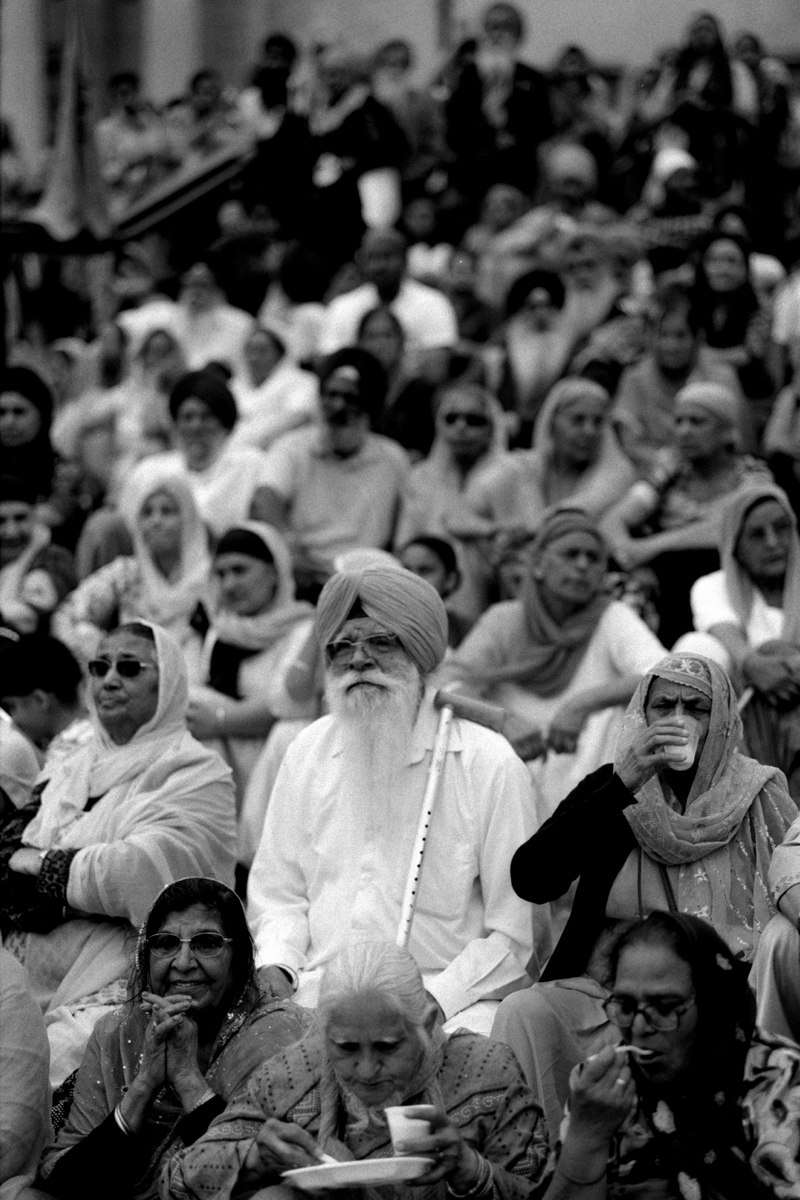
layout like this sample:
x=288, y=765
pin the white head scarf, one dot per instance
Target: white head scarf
x=167, y=601
x=102, y=764
x=261, y=630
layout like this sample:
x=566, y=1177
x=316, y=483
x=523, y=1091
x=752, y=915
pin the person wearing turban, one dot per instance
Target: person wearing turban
x=341, y=823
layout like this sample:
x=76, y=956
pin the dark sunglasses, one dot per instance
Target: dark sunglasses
x=471, y=420
x=127, y=668
x=202, y=945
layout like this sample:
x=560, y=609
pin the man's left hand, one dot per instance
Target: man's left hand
x=26, y=861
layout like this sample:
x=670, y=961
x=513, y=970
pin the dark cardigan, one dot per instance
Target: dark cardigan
x=587, y=837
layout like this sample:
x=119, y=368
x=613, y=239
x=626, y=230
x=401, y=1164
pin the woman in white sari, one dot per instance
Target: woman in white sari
x=141, y=805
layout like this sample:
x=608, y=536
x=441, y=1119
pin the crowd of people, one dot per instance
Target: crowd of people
x=490, y=391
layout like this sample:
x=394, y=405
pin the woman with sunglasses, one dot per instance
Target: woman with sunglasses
x=681, y=820
x=159, y=1069
x=695, y=1102
x=470, y=439
x=139, y=805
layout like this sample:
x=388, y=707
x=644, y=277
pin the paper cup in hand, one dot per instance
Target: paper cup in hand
x=681, y=758
x=406, y=1132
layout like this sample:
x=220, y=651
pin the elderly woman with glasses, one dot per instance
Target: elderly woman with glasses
x=159, y=1069
x=695, y=1101
x=142, y=803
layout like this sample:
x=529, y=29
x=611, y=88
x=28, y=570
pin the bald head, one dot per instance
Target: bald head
x=382, y=259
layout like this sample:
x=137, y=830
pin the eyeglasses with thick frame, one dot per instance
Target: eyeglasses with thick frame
x=378, y=645
x=202, y=945
x=127, y=668
x=661, y=1015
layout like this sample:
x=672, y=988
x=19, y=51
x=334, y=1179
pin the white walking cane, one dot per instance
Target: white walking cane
x=450, y=704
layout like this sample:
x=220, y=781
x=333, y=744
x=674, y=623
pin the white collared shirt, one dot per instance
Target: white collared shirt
x=324, y=875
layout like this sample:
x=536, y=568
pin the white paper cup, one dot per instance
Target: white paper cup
x=406, y=1132
x=681, y=758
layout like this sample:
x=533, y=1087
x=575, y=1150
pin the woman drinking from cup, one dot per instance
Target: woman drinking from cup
x=646, y=833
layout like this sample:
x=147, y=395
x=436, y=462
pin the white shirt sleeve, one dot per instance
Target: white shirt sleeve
x=279, y=470
x=494, y=965
x=440, y=327
x=710, y=603
x=339, y=324
x=634, y=648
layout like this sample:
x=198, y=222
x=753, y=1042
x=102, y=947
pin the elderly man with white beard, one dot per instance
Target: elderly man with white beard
x=340, y=828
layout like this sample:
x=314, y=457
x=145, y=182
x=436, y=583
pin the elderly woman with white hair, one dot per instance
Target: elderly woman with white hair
x=670, y=522
x=376, y=1042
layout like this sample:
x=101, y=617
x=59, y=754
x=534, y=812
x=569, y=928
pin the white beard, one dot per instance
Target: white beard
x=378, y=721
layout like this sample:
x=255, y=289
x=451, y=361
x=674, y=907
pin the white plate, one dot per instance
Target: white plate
x=366, y=1172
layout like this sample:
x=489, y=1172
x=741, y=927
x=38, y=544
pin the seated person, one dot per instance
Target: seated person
x=24, y=1060
x=274, y=395
x=138, y=806
x=34, y=575
x=41, y=686
x=648, y=832
x=158, y=1070
x=336, y=486
x=469, y=444
x=427, y=316
x=407, y=413
x=670, y=522
x=706, y=1102
x=748, y=618
x=643, y=412
x=377, y=1040
x=575, y=459
x=434, y=559
x=342, y=818
x=258, y=631
x=165, y=578
x=563, y=659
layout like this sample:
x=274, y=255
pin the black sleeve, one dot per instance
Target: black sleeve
x=86, y=1170
x=576, y=834
x=193, y=1125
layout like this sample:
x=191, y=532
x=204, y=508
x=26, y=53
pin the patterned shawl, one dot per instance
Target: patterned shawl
x=737, y=811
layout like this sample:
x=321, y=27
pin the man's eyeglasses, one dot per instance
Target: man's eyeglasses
x=378, y=645
x=202, y=945
x=127, y=668
x=471, y=420
x=662, y=1015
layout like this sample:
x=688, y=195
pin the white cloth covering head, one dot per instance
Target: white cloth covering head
x=263, y=629
x=167, y=600
x=104, y=764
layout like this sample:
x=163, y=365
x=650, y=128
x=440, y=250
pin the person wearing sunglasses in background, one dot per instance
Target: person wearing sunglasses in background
x=159, y=1069
x=470, y=439
x=704, y=1103
x=140, y=805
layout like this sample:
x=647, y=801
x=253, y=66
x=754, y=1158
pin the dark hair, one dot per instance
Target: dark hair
x=17, y=491
x=521, y=288
x=443, y=550
x=372, y=377
x=209, y=387
x=183, y=894
x=283, y=44
x=30, y=385
x=203, y=73
x=726, y=1023
x=124, y=79
x=511, y=11
x=384, y=311
x=39, y=662
x=135, y=629
x=672, y=298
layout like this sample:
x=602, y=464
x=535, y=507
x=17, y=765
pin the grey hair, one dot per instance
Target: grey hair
x=375, y=968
